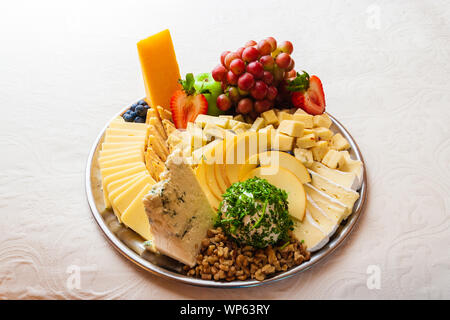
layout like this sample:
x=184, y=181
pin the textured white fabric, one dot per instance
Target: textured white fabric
x=68, y=67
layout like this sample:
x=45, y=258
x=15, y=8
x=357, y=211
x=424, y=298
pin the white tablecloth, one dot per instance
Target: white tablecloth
x=68, y=67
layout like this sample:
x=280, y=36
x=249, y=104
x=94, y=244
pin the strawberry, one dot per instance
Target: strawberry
x=188, y=103
x=307, y=93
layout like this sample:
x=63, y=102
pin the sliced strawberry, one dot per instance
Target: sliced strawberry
x=188, y=103
x=314, y=97
x=307, y=93
x=185, y=108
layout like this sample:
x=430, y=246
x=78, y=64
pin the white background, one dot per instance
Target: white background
x=66, y=67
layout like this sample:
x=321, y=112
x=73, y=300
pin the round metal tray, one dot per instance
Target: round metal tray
x=130, y=244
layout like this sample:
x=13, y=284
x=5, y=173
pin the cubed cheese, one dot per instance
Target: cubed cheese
x=333, y=159
x=239, y=117
x=204, y=119
x=323, y=133
x=291, y=128
x=270, y=117
x=179, y=212
x=283, y=142
x=354, y=166
x=307, y=141
x=284, y=115
x=258, y=124
x=306, y=119
x=319, y=150
x=322, y=120
x=338, y=142
x=305, y=156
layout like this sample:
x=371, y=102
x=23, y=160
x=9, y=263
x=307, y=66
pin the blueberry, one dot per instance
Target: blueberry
x=128, y=117
x=142, y=102
x=141, y=111
x=139, y=120
x=133, y=106
x=133, y=114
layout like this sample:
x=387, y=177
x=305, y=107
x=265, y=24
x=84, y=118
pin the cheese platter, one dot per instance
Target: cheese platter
x=223, y=181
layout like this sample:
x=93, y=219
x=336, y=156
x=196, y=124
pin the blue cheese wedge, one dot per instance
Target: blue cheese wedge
x=347, y=196
x=179, y=212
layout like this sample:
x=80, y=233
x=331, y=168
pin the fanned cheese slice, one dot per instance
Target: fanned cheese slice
x=344, y=195
x=179, y=212
x=310, y=232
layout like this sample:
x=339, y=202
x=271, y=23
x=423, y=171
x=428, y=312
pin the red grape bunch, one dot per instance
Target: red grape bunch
x=252, y=75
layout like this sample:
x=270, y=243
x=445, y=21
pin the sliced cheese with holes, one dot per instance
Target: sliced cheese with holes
x=345, y=195
x=345, y=179
x=327, y=225
x=124, y=199
x=310, y=233
x=135, y=217
x=334, y=209
x=179, y=212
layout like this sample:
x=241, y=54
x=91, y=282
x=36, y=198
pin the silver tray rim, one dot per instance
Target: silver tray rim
x=316, y=257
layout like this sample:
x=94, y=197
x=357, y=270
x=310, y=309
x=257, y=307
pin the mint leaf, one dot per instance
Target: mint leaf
x=300, y=83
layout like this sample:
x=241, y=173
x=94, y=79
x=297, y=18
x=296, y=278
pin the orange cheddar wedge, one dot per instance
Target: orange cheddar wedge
x=159, y=68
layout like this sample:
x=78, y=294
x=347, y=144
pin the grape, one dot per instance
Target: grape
x=233, y=93
x=230, y=57
x=267, y=77
x=250, y=54
x=271, y=93
x=245, y=106
x=286, y=47
x=267, y=61
x=219, y=73
x=237, y=66
x=250, y=43
x=256, y=69
x=259, y=90
x=291, y=65
x=222, y=57
x=262, y=106
x=232, y=78
x=264, y=47
x=223, y=102
x=273, y=42
x=283, y=60
x=278, y=74
x=239, y=51
x=246, y=81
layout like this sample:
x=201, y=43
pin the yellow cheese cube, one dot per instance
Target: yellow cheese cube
x=204, y=119
x=258, y=124
x=306, y=119
x=305, y=156
x=338, y=142
x=323, y=133
x=213, y=131
x=291, y=128
x=333, y=159
x=300, y=111
x=307, y=141
x=239, y=117
x=319, y=150
x=283, y=115
x=283, y=142
x=226, y=116
x=198, y=138
x=307, y=131
x=270, y=117
x=322, y=120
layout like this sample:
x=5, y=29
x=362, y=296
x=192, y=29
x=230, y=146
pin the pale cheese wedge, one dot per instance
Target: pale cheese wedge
x=345, y=195
x=327, y=225
x=310, y=233
x=345, y=179
x=334, y=209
